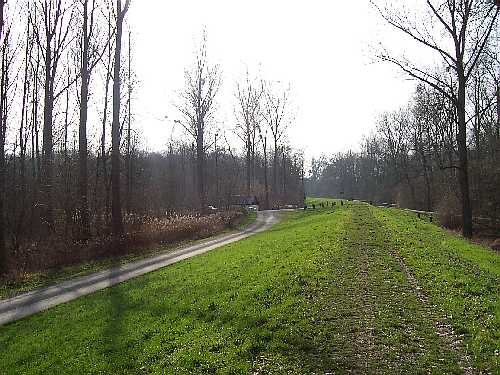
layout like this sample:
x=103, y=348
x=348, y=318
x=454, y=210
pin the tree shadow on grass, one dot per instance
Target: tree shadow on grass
x=117, y=331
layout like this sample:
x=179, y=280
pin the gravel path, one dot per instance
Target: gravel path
x=41, y=299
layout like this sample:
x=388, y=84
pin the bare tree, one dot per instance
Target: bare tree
x=35, y=141
x=87, y=31
x=52, y=37
x=263, y=141
x=3, y=131
x=457, y=31
x=197, y=108
x=47, y=84
x=248, y=95
x=129, y=127
x=21, y=199
x=276, y=115
x=108, y=66
x=2, y=16
x=116, y=208
x=421, y=139
x=393, y=130
x=90, y=57
x=498, y=110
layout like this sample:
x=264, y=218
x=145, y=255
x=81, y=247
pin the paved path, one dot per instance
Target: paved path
x=41, y=299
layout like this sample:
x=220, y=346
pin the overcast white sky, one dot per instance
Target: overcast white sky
x=322, y=48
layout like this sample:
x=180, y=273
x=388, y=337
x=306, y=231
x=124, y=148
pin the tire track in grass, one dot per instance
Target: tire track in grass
x=461, y=280
x=394, y=334
x=357, y=267
x=334, y=335
x=335, y=313
x=445, y=331
x=367, y=341
x=357, y=299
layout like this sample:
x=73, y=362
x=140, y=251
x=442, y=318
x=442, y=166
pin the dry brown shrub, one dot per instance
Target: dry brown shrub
x=141, y=234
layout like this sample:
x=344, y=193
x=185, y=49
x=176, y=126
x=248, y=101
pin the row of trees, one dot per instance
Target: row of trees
x=71, y=162
x=262, y=111
x=50, y=50
x=411, y=158
x=446, y=141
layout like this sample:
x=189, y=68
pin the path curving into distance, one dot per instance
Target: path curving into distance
x=44, y=298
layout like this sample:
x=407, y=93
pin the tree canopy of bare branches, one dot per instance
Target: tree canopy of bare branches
x=277, y=115
x=197, y=108
x=457, y=31
x=248, y=114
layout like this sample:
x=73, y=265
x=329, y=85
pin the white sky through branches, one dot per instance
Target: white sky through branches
x=322, y=48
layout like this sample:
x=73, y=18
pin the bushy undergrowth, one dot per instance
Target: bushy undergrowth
x=140, y=234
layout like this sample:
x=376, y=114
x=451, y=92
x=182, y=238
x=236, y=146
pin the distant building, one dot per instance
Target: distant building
x=244, y=200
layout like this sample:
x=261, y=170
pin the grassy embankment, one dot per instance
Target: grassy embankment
x=320, y=292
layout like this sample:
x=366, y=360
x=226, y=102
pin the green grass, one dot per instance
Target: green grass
x=318, y=200
x=35, y=280
x=319, y=292
x=461, y=278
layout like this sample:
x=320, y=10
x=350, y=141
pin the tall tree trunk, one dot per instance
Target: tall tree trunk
x=68, y=223
x=195, y=189
x=104, y=158
x=82, y=135
x=266, y=184
x=275, y=167
x=129, y=162
x=427, y=179
x=248, y=161
x=498, y=111
x=412, y=189
x=284, y=174
x=35, y=153
x=47, y=147
x=3, y=247
x=200, y=167
x=463, y=172
x=116, y=208
x=217, y=193
x=23, y=139
x=252, y=162
x=3, y=109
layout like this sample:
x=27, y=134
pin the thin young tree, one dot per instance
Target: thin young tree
x=197, y=108
x=3, y=131
x=90, y=57
x=35, y=144
x=87, y=31
x=116, y=208
x=263, y=141
x=275, y=113
x=108, y=66
x=248, y=96
x=129, y=128
x=23, y=133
